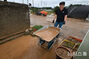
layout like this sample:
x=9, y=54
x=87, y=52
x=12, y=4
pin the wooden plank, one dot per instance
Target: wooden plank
x=48, y=34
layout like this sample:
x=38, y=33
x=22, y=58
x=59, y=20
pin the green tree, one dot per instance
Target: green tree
x=55, y=8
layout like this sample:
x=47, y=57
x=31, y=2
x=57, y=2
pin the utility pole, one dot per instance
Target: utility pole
x=27, y=2
x=33, y=5
x=22, y=1
x=33, y=2
x=41, y=3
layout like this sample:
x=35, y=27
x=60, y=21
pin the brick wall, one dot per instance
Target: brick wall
x=14, y=18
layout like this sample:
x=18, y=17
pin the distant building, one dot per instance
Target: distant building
x=81, y=11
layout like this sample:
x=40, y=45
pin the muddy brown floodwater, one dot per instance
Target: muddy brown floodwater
x=27, y=47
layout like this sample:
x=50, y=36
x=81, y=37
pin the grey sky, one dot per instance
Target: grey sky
x=51, y=3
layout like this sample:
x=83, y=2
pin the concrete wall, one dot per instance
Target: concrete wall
x=14, y=18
